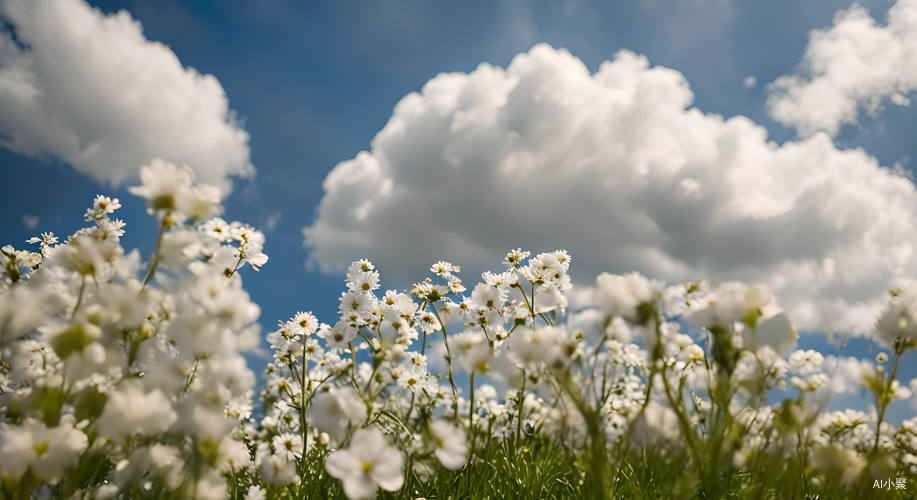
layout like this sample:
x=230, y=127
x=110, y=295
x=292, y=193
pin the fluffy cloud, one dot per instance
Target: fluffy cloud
x=90, y=89
x=856, y=64
x=616, y=167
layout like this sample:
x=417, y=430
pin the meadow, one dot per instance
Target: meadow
x=125, y=377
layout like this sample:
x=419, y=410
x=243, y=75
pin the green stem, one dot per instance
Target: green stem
x=442, y=328
x=237, y=266
x=519, y=408
x=155, y=262
x=79, y=299
x=683, y=421
x=886, y=397
x=303, y=423
x=471, y=416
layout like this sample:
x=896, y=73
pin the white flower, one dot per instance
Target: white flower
x=48, y=451
x=544, y=344
x=774, y=331
x=101, y=207
x=334, y=410
x=443, y=268
x=355, y=305
x=485, y=296
x=811, y=383
x=899, y=319
x=274, y=469
x=368, y=462
x=288, y=446
x=728, y=303
x=303, y=323
x=622, y=295
x=44, y=239
x=164, y=461
x=340, y=335
x=256, y=493
x=363, y=281
x=166, y=186
x=130, y=410
x=451, y=444
x=218, y=228
x=806, y=362
x=20, y=312
x=515, y=257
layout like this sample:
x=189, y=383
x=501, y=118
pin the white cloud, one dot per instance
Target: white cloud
x=845, y=374
x=272, y=220
x=616, y=167
x=90, y=89
x=854, y=65
x=30, y=222
x=750, y=81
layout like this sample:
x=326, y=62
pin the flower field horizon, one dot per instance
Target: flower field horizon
x=126, y=378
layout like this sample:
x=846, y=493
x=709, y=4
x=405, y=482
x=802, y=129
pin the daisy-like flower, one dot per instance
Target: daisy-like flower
x=303, y=323
x=444, y=269
x=256, y=493
x=451, y=444
x=363, y=281
x=340, y=335
x=430, y=292
x=358, y=266
x=456, y=286
x=487, y=297
x=515, y=257
x=166, y=186
x=251, y=242
x=218, y=228
x=355, y=305
x=332, y=411
x=48, y=451
x=899, y=319
x=101, y=207
x=44, y=239
x=113, y=228
x=806, y=362
x=288, y=446
x=623, y=295
x=370, y=462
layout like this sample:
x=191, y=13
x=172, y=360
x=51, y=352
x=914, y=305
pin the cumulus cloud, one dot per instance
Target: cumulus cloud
x=618, y=168
x=91, y=90
x=854, y=65
x=30, y=221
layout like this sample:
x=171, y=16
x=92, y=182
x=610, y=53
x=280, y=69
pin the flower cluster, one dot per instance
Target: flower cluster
x=120, y=380
x=404, y=384
x=117, y=385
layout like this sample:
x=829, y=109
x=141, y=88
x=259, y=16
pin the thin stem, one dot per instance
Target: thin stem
x=155, y=262
x=303, y=423
x=526, y=299
x=79, y=299
x=471, y=415
x=682, y=420
x=519, y=408
x=190, y=376
x=237, y=266
x=442, y=328
x=886, y=397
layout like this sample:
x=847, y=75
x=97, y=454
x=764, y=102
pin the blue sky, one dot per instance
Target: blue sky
x=314, y=82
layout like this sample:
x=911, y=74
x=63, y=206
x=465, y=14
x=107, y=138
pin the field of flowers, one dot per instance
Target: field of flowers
x=126, y=379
